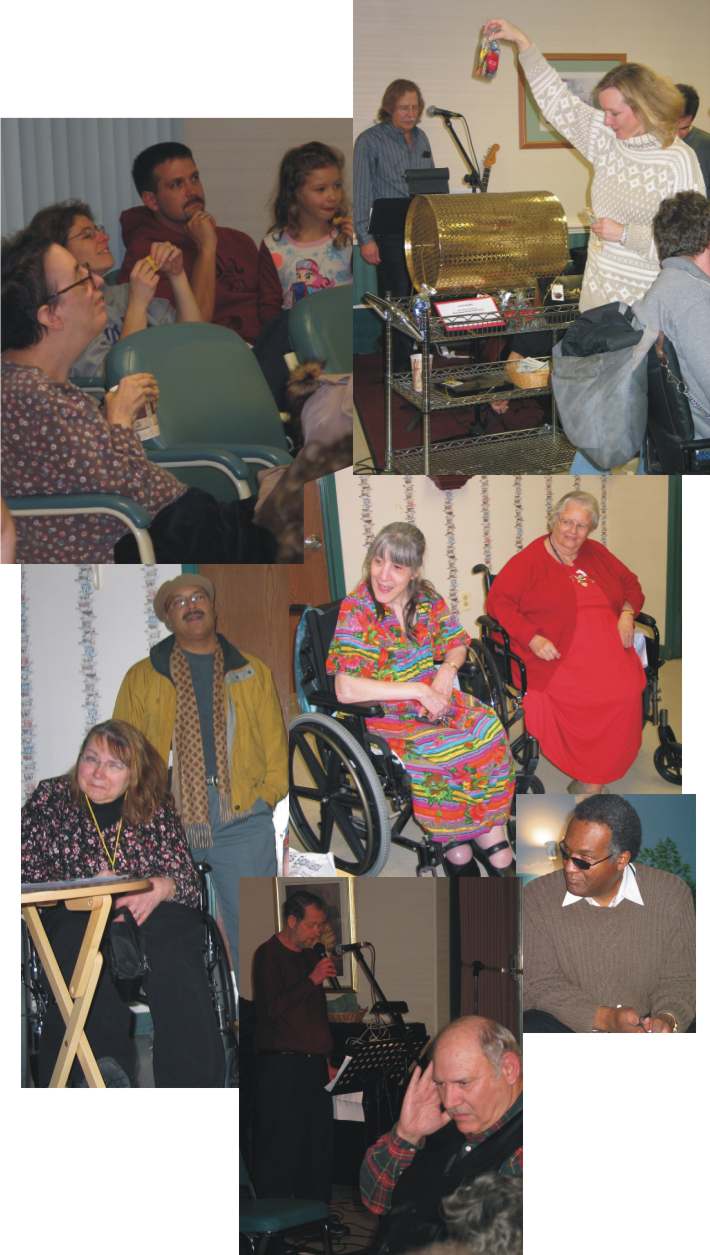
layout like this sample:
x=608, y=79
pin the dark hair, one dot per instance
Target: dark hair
x=55, y=221
x=296, y=165
x=396, y=89
x=681, y=227
x=144, y=165
x=619, y=816
x=148, y=774
x=24, y=289
x=691, y=99
x=298, y=902
x=487, y=1214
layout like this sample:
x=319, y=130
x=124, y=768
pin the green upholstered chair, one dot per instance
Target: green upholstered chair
x=320, y=328
x=212, y=392
x=133, y=515
x=261, y=1218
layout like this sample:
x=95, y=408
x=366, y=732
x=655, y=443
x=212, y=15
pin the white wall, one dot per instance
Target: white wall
x=493, y=516
x=435, y=45
x=78, y=642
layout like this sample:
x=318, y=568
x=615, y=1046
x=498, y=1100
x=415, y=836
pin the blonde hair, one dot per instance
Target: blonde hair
x=655, y=100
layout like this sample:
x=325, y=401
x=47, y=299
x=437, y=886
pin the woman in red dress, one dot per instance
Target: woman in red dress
x=569, y=607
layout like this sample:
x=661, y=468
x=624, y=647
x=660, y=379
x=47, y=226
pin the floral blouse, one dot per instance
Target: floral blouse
x=60, y=842
x=379, y=649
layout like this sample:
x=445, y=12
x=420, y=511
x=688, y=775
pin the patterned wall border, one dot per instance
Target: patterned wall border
x=450, y=525
x=150, y=588
x=368, y=530
x=410, y=509
x=27, y=727
x=486, y=521
x=87, y=643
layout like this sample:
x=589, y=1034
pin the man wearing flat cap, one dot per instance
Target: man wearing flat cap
x=214, y=713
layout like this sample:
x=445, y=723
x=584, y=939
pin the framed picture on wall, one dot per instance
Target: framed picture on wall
x=339, y=898
x=581, y=72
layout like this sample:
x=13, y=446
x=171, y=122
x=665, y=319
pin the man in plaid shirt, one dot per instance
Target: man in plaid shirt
x=460, y=1117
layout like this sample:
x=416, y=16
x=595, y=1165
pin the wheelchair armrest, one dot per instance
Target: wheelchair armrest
x=492, y=625
x=329, y=702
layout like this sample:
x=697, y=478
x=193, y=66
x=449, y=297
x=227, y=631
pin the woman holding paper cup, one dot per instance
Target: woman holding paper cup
x=569, y=606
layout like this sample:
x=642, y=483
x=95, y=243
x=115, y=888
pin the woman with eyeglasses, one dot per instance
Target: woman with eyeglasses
x=58, y=441
x=130, y=306
x=112, y=814
x=569, y=606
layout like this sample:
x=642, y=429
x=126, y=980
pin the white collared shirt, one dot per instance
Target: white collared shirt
x=628, y=888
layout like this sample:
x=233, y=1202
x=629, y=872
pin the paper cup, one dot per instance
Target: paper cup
x=416, y=360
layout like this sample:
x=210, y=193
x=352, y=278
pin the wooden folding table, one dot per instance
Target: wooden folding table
x=74, y=1001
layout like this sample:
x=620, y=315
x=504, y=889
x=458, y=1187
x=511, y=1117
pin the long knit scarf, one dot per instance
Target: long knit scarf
x=189, y=774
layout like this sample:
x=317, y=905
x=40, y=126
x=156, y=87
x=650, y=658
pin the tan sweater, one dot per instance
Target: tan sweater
x=580, y=957
x=631, y=178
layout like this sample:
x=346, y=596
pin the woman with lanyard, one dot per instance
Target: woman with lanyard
x=112, y=814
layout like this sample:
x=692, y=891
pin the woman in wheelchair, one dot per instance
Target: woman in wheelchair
x=569, y=606
x=397, y=643
x=112, y=813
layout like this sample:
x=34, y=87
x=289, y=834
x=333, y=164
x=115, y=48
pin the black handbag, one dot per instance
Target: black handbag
x=123, y=948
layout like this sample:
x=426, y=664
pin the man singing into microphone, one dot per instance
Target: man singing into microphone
x=293, y=1141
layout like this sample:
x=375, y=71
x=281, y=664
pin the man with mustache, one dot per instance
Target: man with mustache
x=461, y=1117
x=213, y=714
x=233, y=285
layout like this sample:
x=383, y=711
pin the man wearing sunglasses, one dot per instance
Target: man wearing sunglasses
x=609, y=946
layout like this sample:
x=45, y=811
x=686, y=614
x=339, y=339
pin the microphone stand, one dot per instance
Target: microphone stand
x=478, y=967
x=473, y=177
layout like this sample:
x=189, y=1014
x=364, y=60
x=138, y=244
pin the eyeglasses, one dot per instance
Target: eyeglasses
x=87, y=278
x=582, y=863
x=194, y=599
x=110, y=765
x=88, y=233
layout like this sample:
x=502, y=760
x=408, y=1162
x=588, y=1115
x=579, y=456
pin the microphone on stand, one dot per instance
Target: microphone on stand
x=433, y=112
x=322, y=953
x=349, y=947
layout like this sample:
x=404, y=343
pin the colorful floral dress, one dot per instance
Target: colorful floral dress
x=461, y=770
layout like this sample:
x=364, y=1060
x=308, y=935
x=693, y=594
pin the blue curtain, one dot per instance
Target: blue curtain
x=51, y=159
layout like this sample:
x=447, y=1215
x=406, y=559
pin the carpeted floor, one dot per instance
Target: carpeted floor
x=470, y=422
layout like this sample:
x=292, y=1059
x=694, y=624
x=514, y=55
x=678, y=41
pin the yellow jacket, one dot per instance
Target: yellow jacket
x=256, y=736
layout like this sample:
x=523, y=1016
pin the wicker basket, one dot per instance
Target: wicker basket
x=527, y=378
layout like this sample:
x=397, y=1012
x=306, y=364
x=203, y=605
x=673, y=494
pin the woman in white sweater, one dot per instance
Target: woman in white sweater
x=630, y=141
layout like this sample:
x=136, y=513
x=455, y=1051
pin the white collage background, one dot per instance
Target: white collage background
x=614, y=1142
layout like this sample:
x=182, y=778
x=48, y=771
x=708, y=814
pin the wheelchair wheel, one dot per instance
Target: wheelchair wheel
x=486, y=663
x=336, y=800
x=667, y=760
x=223, y=999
